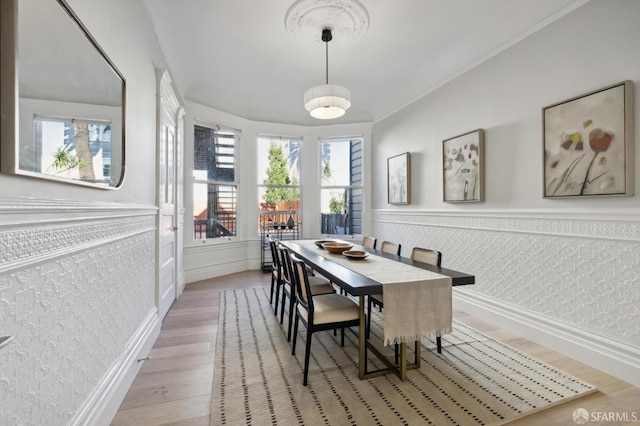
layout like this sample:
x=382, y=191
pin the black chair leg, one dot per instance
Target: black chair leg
x=284, y=296
x=368, y=330
x=439, y=344
x=292, y=312
x=275, y=309
x=272, y=288
x=307, y=355
x=342, y=337
x=295, y=335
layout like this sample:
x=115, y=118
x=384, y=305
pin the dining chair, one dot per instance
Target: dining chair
x=276, y=272
x=423, y=255
x=320, y=312
x=418, y=254
x=369, y=242
x=317, y=283
x=391, y=248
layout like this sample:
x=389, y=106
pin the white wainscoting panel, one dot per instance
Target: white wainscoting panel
x=77, y=288
x=223, y=257
x=580, y=270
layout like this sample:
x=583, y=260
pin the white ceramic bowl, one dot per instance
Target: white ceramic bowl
x=355, y=254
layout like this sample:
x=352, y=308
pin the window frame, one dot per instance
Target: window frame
x=322, y=186
x=235, y=184
x=280, y=216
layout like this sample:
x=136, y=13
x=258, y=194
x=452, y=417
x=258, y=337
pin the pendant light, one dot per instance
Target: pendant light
x=327, y=101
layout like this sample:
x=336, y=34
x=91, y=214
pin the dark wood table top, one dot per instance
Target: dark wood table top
x=357, y=284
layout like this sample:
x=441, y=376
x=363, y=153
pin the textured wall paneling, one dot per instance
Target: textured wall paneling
x=77, y=288
x=214, y=260
x=577, y=270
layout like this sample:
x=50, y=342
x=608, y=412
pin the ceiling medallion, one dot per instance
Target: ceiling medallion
x=348, y=20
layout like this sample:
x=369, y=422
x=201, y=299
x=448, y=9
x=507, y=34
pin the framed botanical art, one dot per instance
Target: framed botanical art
x=588, y=144
x=463, y=167
x=399, y=179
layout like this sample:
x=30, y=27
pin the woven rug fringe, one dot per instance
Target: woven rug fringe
x=412, y=338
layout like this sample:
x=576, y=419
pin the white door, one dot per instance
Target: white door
x=167, y=190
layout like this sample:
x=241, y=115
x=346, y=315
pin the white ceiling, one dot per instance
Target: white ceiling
x=236, y=55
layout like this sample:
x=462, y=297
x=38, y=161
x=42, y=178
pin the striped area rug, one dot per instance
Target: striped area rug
x=476, y=380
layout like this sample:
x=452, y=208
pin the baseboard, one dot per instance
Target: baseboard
x=101, y=406
x=181, y=285
x=612, y=357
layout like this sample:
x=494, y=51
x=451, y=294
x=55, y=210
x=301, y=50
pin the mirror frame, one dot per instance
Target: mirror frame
x=10, y=99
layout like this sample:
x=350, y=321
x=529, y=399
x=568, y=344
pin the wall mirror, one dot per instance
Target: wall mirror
x=63, y=110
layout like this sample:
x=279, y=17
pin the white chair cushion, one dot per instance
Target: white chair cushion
x=332, y=308
x=320, y=285
x=322, y=288
x=318, y=280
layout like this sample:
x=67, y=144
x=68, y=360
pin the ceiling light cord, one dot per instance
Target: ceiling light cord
x=327, y=37
x=326, y=45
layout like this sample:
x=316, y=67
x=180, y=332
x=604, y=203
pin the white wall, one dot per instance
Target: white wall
x=565, y=272
x=77, y=264
x=212, y=258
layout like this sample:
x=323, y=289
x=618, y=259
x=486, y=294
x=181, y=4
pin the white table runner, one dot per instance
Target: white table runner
x=417, y=302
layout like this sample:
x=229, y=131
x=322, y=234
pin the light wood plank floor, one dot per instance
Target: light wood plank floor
x=174, y=386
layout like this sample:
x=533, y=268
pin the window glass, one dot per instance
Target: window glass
x=279, y=184
x=215, y=187
x=341, y=186
x=84, y=154
x=214, y=154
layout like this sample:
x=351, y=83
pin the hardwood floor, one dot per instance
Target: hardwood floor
x=174, y=385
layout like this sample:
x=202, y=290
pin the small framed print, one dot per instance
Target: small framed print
x=463, y=169
x=399, y=179
x=588, y=144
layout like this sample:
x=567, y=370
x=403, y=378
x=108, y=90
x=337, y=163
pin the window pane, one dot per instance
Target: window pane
x=278, y=183
x=214, y=154
x=84, y=154
x=341, y=183
x=215, y=210
x=278, y=161
x=336, y=163
x=291, y=203
x=341, y=211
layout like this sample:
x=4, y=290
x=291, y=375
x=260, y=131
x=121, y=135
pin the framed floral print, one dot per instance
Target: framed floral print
x=463, y=169
x=399, y=179
x=588, y=144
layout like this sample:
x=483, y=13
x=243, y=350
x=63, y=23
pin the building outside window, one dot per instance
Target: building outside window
x=341, y=186
x=84, y=154
x=279, y=185
x=215, y=184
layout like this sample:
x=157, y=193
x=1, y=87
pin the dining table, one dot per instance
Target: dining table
x=353, y=276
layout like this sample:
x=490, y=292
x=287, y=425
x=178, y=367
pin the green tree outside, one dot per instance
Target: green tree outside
x=336, y=206
x=278, y=174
